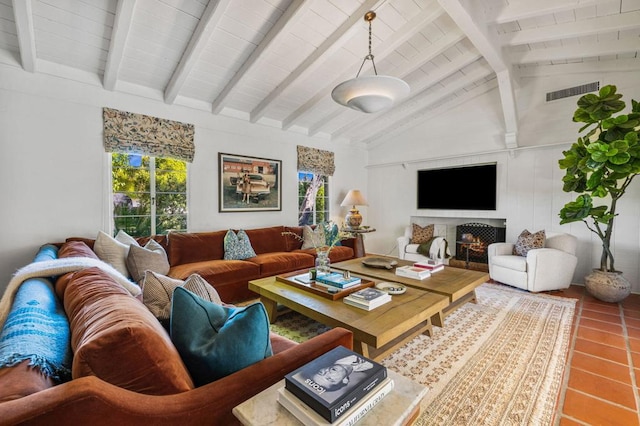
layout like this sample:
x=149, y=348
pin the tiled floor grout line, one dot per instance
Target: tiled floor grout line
x=632, y=374
x=571, y=350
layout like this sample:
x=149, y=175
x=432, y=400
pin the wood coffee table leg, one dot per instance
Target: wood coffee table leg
x=271, y=306
x=361, y=348
x=438, y=319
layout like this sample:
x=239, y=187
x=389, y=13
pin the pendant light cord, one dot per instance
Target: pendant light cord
x=370, y=16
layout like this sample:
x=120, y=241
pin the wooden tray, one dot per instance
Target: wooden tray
x=321, y=290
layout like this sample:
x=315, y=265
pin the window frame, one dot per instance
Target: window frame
x=109, y=217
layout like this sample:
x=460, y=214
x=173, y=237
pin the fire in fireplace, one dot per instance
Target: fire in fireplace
x=473, y=239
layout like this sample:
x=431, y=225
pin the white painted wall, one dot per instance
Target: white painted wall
x=529, y=180
x=53, y=179
x=54, y=174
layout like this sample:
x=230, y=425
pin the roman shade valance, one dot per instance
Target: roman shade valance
x=128, y=132
x=316, y=161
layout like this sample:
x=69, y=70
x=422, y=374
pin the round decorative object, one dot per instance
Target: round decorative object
x=380, y=262
x=610, y=287
x=391, y=288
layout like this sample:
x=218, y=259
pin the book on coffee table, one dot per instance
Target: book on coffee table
x=429, y=266
x=337, y=279
x=335, y=381
x=414, y=272
x=309, y=417
x=368, y=298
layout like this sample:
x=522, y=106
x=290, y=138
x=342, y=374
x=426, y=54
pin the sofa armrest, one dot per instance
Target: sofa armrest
x=89, y=400
x=500, y=249
x=402, y=245
x=549, y=269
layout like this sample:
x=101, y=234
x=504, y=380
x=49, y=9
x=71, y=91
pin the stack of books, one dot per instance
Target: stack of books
x=337, y=279
x=431, y=267
x=414, y=272
x=337, y=388
x=367, y=298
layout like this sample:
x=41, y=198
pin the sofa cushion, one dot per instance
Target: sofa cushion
x=116, y=338
x=237, y=246
x=157, y=291
x=268, y=239
x=511, y=262
x=528, y=241
x=114, y=251
x=215, y=341
x=421, y=234
x=279, y=262
x=76, y=249
x=190, y=247
x=150, y=257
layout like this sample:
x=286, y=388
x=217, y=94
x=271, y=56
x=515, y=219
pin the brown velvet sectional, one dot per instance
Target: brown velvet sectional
x=109, y=327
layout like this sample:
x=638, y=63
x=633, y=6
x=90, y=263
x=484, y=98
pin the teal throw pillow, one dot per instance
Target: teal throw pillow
x=215, y=341
x=237, y=246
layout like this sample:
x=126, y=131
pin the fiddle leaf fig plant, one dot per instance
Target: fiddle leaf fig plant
x=601, y=164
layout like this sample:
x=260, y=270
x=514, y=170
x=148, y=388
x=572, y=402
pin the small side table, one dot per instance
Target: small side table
x=400, y=407
x=358, y=246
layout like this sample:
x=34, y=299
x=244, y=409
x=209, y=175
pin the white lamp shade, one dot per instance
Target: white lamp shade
x=354, y=198
x=370, y=93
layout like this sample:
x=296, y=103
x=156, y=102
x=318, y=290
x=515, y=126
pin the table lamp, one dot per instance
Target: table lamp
x=354, y=198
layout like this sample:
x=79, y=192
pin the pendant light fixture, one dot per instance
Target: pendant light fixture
x=370, y=93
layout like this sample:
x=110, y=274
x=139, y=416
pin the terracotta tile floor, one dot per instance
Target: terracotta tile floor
x=600, y=386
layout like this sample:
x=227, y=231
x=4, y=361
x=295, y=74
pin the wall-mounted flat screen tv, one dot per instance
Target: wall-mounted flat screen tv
x=458, y=188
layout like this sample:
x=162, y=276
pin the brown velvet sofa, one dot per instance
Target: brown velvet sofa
x=125, y=369
x=202, y=253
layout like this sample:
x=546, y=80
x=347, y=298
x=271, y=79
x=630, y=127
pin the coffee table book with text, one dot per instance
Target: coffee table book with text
x=367, y=298
x=335, y=382
x=309, y=417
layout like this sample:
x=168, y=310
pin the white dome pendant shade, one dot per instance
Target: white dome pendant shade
x=371, y=93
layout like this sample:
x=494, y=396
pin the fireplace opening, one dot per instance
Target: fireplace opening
x=473, y=239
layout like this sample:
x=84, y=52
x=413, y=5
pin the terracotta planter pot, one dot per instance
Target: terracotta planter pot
x=607, y=286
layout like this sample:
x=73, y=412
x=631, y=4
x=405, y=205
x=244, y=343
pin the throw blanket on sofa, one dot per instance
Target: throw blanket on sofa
x=54, y=267
x=440, y=249
x=37, y=330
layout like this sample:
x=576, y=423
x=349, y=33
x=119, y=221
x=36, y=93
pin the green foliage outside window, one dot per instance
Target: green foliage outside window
x=136, y=202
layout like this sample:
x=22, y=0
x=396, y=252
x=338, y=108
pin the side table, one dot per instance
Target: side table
x=400, y=407
x=358, y=246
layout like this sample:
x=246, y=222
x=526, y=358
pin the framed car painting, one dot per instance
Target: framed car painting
x=249, y=184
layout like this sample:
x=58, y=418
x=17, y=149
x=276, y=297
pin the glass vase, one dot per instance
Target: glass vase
x=323, y=263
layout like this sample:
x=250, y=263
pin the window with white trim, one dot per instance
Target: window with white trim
x=149, y=194
x=313, y=198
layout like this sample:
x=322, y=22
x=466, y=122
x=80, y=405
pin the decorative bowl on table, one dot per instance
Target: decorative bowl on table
x=380, y=262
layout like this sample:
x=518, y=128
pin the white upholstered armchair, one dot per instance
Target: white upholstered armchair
x=439, y=249
x=542, y=269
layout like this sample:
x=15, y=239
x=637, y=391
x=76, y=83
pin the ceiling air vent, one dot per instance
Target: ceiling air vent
x=573, y=91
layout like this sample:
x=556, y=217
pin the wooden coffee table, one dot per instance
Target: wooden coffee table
x=457, y=284
x=376, y=333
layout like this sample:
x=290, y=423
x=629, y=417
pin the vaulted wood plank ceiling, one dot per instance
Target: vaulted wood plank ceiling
x=276, y=61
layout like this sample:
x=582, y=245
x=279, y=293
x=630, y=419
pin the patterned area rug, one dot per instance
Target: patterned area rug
x=497, y=362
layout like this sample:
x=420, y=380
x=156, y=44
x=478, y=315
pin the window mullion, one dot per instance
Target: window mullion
x=152, y=192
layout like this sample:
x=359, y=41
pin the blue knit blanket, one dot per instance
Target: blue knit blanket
x=37, y=330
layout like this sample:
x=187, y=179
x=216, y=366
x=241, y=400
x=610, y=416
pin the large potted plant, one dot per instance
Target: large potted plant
x=601, y=165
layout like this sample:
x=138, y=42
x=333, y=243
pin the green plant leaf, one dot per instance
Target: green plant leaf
x=620, y=158
x=607, y=90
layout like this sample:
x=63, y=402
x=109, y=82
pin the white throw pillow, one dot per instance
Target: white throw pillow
x=114, y=251
x=313, y=238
